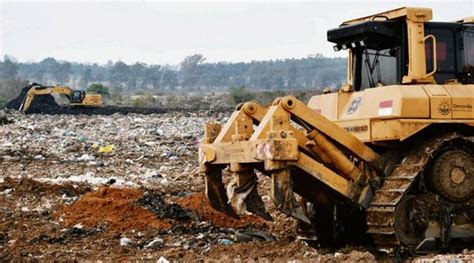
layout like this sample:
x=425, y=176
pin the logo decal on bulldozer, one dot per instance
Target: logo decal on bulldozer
x=354, y=105
x=444, y=108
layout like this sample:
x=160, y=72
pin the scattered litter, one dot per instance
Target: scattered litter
x=162, y=260
x=253, y=235
x=225, y=241
x=157, y=242
x=107, y=149
x=89, y=178
x=125, y=242
x=154, y=203
x=85, y=157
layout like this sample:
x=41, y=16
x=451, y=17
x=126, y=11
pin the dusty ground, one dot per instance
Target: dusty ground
x=127, y=188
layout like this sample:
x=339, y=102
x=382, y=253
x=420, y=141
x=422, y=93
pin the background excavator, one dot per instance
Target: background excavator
x=77, y=98
x=387, y=160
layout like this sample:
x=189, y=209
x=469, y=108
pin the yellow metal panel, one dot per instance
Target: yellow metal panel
x=359, y=128
x=384, y=102
x=382, y=130
x=325, y=105
x=401, y=129
x=344, y=103
x=227, y=152
x=396, y=129
x=462, y=98
x=414, y=13
x=440, y=101
x=415, y=102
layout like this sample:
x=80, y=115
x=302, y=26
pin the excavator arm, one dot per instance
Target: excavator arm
x=42, y=90
x=293, y=145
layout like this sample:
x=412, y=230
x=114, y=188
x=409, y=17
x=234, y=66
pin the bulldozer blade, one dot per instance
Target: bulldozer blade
x=283, y=197
x=244, y=196
x=216, y=194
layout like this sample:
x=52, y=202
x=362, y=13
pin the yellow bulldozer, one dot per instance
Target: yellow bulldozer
x=77, y=98
x=386, y=160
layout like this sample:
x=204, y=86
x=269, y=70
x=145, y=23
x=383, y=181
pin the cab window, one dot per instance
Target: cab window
x=445, y=54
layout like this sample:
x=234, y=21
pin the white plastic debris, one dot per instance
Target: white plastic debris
x=125, y=242
x=162, y=260
x=85, y=157
x=157, y=242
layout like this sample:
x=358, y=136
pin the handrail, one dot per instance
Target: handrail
x=435, y=59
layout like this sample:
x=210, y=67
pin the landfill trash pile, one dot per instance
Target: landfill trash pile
x=127, y=187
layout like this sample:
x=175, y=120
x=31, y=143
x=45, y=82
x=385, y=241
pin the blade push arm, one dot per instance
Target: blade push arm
x=286, y=141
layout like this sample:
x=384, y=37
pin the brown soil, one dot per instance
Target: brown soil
x=198, y=202
x=26, y=185
x=114, y=207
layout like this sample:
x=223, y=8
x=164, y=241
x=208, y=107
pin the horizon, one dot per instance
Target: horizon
x=16, y=60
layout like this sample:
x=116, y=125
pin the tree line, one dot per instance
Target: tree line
x=192, y=74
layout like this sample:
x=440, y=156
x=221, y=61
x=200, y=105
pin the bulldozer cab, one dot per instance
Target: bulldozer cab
x=383, y=50
x=376, y=50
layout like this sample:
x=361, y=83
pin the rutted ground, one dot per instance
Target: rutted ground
x=127, y=187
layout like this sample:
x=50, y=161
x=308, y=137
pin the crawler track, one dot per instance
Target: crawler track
x=381, y=212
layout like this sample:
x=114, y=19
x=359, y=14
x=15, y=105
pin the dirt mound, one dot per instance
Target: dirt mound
x=199, y=203
x=116, y=208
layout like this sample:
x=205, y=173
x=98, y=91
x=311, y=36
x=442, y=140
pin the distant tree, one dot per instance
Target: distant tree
x=152, y=76
x=292, y=75
x=86, y=77
x=189, y=70
x=98, y=89
x=38, y=75
x=61, y=72
x=137, y=75
x=8, y=70
x=119, y=74
x=169, y=79
x=10, y=57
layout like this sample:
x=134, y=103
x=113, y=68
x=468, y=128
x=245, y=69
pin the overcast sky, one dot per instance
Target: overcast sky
x=167, y=32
